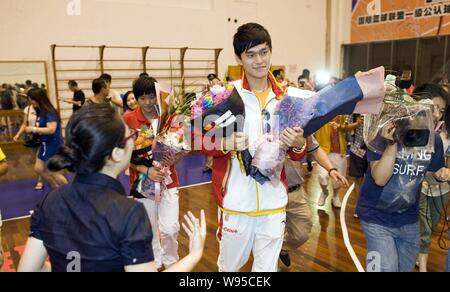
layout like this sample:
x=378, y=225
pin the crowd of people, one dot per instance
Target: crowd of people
x=109, y=232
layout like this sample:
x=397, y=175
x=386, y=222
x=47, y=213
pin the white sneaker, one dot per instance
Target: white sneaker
x=337, y=202
x=322, y=200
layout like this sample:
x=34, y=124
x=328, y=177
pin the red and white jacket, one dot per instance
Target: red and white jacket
x=237, y=193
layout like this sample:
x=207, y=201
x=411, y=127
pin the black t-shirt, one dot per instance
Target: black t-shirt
x=80, y=97
x=92, y=218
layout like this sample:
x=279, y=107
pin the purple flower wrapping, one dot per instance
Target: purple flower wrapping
x=269, y=158
x=270, y=152
x=164, y=155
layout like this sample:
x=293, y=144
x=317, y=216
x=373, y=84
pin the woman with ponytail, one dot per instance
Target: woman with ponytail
x=90, y=225
x=49, y=130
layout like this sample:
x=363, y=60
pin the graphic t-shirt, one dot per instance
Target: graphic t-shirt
x=397, y=204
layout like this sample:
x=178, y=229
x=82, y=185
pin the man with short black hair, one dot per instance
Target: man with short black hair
x=114, y=97
x=78, y=96
x=252, y=215
x=101, y=92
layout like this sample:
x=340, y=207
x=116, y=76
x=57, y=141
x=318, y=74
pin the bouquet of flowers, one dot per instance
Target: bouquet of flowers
x=221, y=113
x=216, y=96
x=362, y=94
x=168, y=148
x=142, y=154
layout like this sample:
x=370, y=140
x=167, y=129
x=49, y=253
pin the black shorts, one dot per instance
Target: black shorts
x=358, y=166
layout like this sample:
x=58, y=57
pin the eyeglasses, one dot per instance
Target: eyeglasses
x=122, y=144
x=134, y=135
x=266, y=117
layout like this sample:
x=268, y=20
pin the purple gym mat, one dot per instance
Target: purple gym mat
x=19, y=197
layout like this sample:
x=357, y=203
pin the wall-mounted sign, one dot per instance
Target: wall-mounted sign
x=376, y=20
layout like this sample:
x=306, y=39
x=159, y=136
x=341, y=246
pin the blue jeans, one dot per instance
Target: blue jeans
x=448, y=262
x=391, y=249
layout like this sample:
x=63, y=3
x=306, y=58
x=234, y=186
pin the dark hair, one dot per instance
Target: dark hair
x=144, y=74
x=212, y=76
x=249, y=36
x=106, y=77
x=125, y=101
x=28, y=82
x=277, y=72
x=72, y=83
x=40, y=96
x=429, y=91
x=98, y=85
x=6, y=100
x=306, y=73
x=438, y=78
x=144, y=86
x=91, y=135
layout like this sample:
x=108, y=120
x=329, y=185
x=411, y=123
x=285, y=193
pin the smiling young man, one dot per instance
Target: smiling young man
x=252, y=216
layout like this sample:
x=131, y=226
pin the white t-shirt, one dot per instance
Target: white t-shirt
x=115, y=95
x=32, y=116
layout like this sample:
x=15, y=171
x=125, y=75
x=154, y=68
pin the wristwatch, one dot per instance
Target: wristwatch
x=331, y=170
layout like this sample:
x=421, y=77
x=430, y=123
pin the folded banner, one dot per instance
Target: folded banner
x=362, y=94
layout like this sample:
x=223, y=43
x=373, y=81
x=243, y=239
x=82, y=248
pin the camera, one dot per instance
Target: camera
x=410, y=136
x=416, y=138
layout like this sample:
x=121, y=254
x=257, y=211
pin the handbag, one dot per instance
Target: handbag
x=31, y=140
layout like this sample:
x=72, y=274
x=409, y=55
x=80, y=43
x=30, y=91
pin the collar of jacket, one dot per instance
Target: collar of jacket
x=277, y=88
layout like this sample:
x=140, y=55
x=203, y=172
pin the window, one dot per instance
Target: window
x=431, y=59
x=380, y=55
x=355, y=59
x=404, y=57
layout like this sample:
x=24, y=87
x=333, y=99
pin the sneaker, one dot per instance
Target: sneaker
x=39, y=186
x=422, y=263
x=337, y=202
x=355, y=216
x=285, y=258
x=322, y=200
